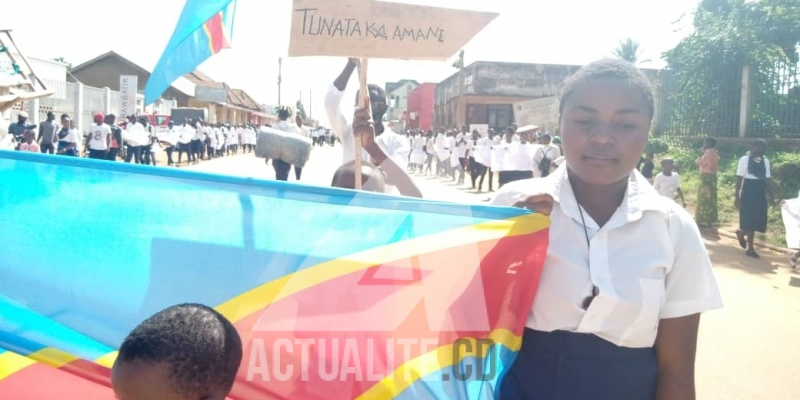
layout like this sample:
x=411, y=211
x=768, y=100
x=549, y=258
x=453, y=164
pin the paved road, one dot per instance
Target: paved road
x=748, y=351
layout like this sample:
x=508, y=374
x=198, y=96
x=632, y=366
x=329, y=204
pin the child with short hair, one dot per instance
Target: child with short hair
x=667, y=182
x=185, y=352
x=29, y=144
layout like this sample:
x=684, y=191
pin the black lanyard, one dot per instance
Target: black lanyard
x=595, y=290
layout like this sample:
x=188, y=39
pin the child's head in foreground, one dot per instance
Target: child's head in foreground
x=605, y=114
x=185, y=352
x=372, y=179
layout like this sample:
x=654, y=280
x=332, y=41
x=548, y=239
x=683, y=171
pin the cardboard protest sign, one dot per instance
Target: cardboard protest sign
x=540, y=112
x=377, y=29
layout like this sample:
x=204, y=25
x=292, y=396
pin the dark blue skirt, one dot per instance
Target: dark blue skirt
x=753, y=206
x=574, y=366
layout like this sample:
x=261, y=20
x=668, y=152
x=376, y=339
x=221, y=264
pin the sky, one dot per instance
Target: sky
x=549, y=32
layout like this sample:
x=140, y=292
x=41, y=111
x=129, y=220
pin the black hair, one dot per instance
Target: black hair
x=711, y=141
x=759, y=141
x=283, y=114
x=349, y=169
x=201, y=347
x=376, y=95
x=609, y=68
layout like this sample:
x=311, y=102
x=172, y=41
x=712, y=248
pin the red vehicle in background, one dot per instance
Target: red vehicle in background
x=160, y=122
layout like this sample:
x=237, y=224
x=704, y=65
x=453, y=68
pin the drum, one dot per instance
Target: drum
x=275, y=144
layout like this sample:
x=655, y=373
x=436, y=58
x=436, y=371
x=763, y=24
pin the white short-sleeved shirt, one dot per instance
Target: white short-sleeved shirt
x=461, y=144
x=667, y=185
x=394, y=145
x=518, y=157
x=98, y=136
x=552, y=154
x=71, y=137
x=648, y=261
x=741, y=169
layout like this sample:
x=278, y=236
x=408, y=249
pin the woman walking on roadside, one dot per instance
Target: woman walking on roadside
x=752, y=195
x=706, y=212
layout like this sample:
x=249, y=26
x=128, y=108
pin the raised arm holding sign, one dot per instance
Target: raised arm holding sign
x=372, y=29
x=380, y=144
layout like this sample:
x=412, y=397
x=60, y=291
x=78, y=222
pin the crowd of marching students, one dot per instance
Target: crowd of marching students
x=514, y=154
x=133, y=140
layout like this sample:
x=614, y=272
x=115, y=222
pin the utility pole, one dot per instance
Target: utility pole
x=280, y=61
x=310, y=105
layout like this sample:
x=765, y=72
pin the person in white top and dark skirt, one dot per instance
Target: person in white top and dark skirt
x=752, y=195
x=626, y=275
x=517, y=157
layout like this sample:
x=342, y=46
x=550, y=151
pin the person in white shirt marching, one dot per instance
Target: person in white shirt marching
x=544, y=157
x=99, y=138
x=418, y=155
x=387, y=150
x=516, y=158
x=187, y=132
x=220, y=134
x=627, y=275
x=474, y=158
x=442, y=153
x=753, y=195
x=430, y=152
x=460, y=141
x=134, y=140
x=170, y=140
x=305, y=133
x=667, y=182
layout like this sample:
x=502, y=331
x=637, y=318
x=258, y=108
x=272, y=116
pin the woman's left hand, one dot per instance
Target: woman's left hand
x=364, y=128
x=542, y=204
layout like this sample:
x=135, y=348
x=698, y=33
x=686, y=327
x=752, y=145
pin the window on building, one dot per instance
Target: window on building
x=499, y=116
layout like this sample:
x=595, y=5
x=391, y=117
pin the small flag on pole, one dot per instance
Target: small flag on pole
x=204, y=28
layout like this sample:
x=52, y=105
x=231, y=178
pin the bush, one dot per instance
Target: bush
x=785, y=181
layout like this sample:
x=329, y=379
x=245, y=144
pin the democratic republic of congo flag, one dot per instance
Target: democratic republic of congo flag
x=22, y=378
x=337, y=294
x=204, y=28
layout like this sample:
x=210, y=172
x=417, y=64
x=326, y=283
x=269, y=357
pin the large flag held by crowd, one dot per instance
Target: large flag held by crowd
x=425, y=299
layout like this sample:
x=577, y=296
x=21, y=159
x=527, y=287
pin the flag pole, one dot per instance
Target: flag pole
x=363, y=101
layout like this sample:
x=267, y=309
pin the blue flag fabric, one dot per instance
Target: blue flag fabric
x=204, y=28
x=95, y=247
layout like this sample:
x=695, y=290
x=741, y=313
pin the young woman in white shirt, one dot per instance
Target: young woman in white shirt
x=626, y=275
x=67, y=138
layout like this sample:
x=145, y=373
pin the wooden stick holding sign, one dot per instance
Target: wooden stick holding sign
x=378, y=29
x=363, y=101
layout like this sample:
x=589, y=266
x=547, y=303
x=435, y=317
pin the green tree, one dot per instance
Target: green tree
x=705, y=68
x=628, y=50
x=301, y=111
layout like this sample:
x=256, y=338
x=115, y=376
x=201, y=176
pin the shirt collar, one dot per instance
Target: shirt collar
x=639, y=195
